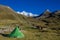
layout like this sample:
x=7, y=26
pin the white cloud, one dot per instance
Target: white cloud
x=27, y=13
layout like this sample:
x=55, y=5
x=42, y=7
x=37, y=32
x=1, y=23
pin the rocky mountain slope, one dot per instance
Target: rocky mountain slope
x=47, y=19
x=52, y=19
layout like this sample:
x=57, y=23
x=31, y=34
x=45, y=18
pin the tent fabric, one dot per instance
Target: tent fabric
x=16, y=33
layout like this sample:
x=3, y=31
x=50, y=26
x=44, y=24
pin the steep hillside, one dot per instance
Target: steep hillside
x=45, y=14
x=52, y=19
x=6, y=13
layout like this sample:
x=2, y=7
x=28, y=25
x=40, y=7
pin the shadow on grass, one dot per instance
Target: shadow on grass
x=5, y=35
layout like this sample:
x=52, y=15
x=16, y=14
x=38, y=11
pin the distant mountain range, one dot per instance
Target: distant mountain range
x=46, y=19
x=27, y=13
x=47, y=14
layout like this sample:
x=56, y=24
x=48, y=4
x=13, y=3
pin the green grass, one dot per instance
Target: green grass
x=34, y=34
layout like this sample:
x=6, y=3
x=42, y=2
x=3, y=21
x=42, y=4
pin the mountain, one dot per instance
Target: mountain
x=52, y=19
x=45, y=14
x=27, y=13
x=9, y=16
x=43, y=27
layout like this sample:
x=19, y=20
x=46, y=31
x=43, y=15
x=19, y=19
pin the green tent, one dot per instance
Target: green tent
x=16, y=33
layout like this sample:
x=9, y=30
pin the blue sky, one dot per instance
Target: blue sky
x=33, y=6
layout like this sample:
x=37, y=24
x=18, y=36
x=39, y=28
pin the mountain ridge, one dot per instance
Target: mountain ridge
x=47, y=17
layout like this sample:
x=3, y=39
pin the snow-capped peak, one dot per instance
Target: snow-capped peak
x=27, y=13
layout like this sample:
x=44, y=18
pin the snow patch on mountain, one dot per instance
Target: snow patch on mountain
x=27, y=13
